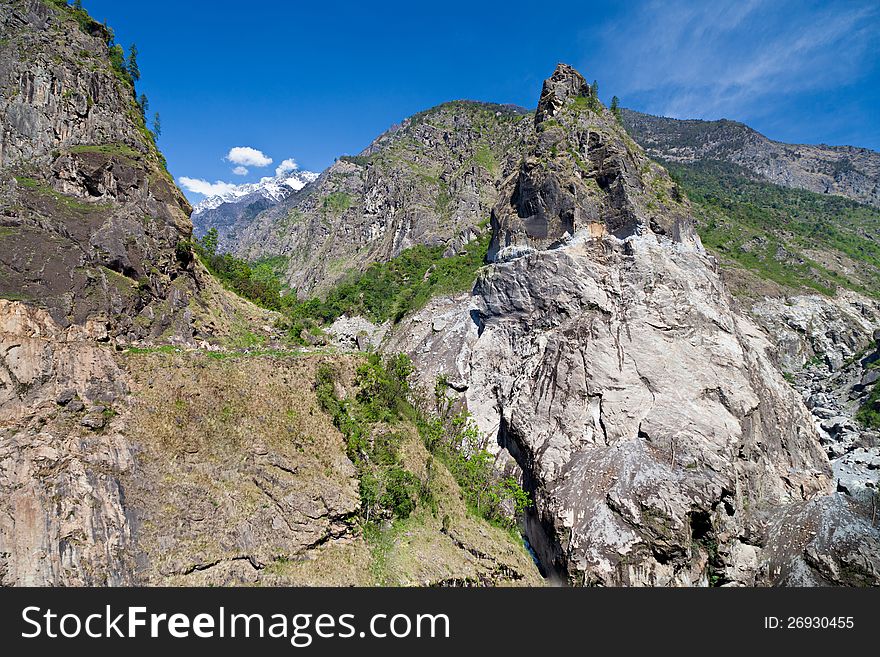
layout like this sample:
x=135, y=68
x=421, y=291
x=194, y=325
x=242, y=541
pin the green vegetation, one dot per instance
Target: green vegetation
x=122, y=150
x=390, y=290
x=586, y=103
x=869, y=411
x=385, y=291
x=485, y=158
x=615, y=109
x=86, y=23
x=255, y=281
x=134, y=70
x=374, y=423
x=117, y=63
x=790, y=236
x=337, y=202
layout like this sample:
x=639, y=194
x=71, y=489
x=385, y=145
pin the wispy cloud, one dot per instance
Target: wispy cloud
x=248, y=157
x=199, y=186
x=687, y=59
x=240, y=171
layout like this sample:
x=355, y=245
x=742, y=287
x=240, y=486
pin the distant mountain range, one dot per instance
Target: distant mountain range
x=225, y=211
x=661, y=368
x=843, y=170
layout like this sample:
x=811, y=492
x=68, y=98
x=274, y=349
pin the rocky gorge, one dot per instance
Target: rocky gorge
x=157, y=428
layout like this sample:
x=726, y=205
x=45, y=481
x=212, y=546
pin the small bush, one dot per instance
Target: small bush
x=386, y=488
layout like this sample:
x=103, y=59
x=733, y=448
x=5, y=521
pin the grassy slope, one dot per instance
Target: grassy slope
x=795, y=238
x=197, y=419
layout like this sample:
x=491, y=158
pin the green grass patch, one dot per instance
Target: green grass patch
x=768, y=229
x=869, y=412
x=586, y=104
x=485, y=158
x=337, y=202
x=117, y=149
x=63, y=200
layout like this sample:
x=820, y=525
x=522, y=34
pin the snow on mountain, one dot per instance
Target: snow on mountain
x=272, y=188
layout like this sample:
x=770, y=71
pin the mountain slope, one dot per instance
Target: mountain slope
x=843, y=170
x=232, y=211
x=154, y=427
x=796, y=239
x=603, y=352
x=430, y=181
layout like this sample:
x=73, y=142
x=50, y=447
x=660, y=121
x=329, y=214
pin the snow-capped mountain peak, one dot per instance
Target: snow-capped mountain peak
x=273, y=188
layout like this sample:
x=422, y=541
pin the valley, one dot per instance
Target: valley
x=498, y=347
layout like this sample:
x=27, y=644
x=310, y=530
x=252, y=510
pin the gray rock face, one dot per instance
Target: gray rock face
x=48, y=101
x=61, y=515
x=84, y=191
x=647, y=416
x=356, y=333
x=827, y=347
x=808, y=327
x=580, y=174
x=431, y=181
x=823, y=542
x=561, y=87
x=845, y=170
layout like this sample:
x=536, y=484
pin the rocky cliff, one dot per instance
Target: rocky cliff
x=432, y=180
x=845, y=170
x=142, y=441
x=645, y=413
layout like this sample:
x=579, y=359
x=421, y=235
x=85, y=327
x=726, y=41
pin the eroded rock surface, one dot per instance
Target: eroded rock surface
x=648, y=416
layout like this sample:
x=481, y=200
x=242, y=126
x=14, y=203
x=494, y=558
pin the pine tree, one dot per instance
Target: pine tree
x=594, y=89
x=157, y=125
x=210, y=242
x=133, y=69
x=78, y=5
x=144, y=104
x=615, y=107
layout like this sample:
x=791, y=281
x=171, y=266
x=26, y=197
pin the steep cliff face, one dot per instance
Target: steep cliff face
x=580, y=173
x=845, y=170
x=646, y=415
x=430, y=181
x=130, y=453
x=91, y=220
x=90, y=225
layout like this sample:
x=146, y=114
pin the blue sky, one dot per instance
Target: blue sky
x=311, y=81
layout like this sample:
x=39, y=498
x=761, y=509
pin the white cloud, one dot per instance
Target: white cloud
x=286, y=166
x=240, y=171
x=247, y=156
x=199, y=186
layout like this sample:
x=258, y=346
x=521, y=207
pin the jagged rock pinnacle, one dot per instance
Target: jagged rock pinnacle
x=565, y=83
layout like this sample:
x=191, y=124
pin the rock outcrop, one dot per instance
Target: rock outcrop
x=129, y=453
x=581, y=174
x=646, y=414
x=90, y=221
x=430, y=181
